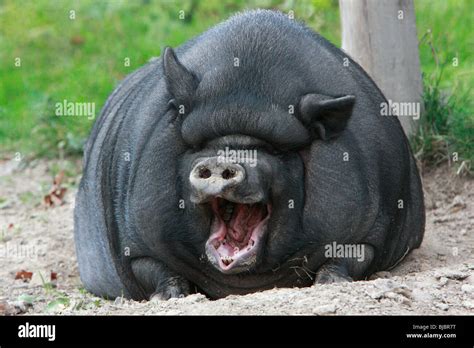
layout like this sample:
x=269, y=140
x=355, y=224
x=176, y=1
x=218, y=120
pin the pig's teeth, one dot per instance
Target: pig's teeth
x=226, y=260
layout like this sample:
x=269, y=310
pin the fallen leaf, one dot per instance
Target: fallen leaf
x=54, y=276
x=56, y=193
x=24, y=275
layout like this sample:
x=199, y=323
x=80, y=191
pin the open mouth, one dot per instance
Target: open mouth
x=236, y=232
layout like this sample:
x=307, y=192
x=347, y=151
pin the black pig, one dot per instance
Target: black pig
x=168, y=205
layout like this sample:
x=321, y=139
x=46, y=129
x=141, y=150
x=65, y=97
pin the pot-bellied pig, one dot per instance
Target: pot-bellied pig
x=250, y=157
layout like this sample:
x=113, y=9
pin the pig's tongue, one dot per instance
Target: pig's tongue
x=244, y=219
x=238, y=230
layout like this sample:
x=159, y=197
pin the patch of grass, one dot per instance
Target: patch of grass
x=445, y=34
x=86, y=302
x=58, y=304
x=446, y=132
x=82, y=59
x=446, y=129
x=59, y=301
x=48, y=287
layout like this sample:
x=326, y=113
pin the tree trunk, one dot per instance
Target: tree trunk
x=380, y=35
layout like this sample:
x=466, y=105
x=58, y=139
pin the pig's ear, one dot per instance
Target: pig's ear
x=324, y=116
x=180, y=82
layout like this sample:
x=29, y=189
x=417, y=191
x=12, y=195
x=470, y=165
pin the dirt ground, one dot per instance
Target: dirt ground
x=36, y=246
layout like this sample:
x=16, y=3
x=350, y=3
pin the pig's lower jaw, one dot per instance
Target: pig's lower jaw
x=236, y=234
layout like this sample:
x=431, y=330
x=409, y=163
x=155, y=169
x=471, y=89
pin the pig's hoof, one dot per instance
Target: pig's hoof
x=328, y=274
x=174, y=287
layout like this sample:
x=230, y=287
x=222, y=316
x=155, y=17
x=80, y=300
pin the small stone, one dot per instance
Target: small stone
x=452, y=274
x=457, y=204
x=467, y=288
x=376, y=294
x=404, y=291
x=468, y=304
x=391, y=294
x=443, y=281
x=195, y=298
x=421, y=295
x=442, y=306
x=388, y=288
x=325, y=309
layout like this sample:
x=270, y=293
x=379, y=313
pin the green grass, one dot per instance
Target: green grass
x=54, y=68
x=446, y=132
x=81, y=60
x=446, y=27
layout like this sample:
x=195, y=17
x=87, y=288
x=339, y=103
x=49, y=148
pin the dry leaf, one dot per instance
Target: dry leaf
x=56, y=193
x=53, y=276
x=24, y=275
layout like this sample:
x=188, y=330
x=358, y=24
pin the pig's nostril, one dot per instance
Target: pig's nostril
x=228, y=174
x=204, y=173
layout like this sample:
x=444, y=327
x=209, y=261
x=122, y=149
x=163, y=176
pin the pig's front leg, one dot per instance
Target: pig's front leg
x=345, y=269
x=158, y=281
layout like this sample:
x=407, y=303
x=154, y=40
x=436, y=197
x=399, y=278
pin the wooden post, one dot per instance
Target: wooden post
x=380, y=35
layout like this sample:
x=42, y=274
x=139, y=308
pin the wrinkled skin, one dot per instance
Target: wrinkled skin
x=158, y=215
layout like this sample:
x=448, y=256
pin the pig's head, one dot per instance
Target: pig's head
x=243, y=172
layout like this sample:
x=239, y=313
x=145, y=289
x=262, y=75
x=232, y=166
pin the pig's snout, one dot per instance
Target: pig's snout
x=211, y=177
